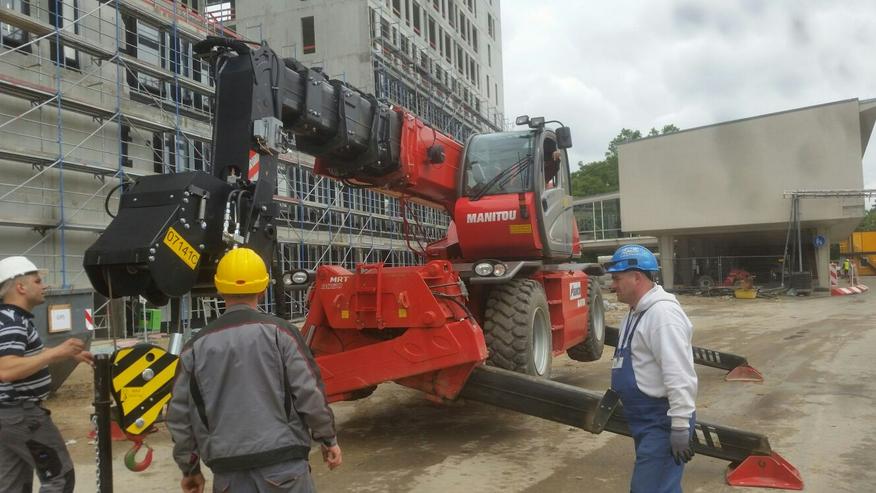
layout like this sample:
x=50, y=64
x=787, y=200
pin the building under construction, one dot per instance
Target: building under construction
x=95, y=93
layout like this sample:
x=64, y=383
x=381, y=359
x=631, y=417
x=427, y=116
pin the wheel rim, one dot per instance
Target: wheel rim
x=597, y=319
x=541, y=342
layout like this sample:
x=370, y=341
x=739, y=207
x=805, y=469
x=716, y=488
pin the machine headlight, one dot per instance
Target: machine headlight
x=483, y=269
x=499, y=270
x=297, y=279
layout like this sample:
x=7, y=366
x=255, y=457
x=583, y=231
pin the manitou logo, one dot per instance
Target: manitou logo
x=491, y=217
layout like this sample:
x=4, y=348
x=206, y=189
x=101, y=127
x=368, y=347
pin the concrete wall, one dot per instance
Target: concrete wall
x=733, y=175
x=341, y=28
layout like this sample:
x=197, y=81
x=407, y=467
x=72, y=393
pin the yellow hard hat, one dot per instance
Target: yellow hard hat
x=241, y=271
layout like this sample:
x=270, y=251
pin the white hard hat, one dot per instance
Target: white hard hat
x=12, y=267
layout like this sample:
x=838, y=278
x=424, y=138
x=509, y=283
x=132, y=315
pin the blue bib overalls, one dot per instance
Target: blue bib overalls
x=655, y=470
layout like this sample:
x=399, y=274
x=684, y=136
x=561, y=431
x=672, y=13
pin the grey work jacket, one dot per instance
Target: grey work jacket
x=247, y=394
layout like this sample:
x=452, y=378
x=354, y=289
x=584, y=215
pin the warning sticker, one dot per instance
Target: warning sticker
x=181, y=248
x=520, y=229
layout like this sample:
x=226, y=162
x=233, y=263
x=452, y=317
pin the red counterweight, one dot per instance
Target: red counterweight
x=408, y=324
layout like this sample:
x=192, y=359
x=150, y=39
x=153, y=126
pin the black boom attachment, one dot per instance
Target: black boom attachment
x=166, y=228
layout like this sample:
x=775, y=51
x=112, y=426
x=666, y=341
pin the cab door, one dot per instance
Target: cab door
x=553, y=187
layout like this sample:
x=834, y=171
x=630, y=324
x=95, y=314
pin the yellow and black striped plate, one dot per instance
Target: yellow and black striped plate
x=142, y=382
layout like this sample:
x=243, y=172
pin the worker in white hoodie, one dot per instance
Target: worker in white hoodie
x=653, y=372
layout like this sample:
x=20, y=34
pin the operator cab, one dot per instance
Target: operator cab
x=516, y=193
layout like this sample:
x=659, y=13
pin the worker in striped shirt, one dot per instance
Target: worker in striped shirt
x=29, y=439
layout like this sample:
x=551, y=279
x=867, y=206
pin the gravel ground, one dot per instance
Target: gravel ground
x=816, y=406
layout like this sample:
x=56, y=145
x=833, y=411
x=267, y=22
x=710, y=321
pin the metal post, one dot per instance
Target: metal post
x=799, y=234
x=177, y=92
x=59, y=59
x=176, y=336
x=104, y=448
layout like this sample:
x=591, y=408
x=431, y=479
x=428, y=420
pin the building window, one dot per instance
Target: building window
x=384, y=28
x=157, y=48
x=460, y=60
x=202, y=157
x=126, y=141
x=416, y=11
x=489, y=56
x=180, y=62
x=308, y=35
x=201, y=73
x=148, y=49
x=451, y=13
x=448, y=55
x=405, y=45
x=431, y=32
x=491, y=26
x=219, y=12
x=13, y=36
x=157, y=152
x=396, y=8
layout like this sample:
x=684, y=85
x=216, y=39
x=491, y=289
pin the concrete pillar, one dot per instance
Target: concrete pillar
x=667, y=254
x=822, y=260
x=683, y=267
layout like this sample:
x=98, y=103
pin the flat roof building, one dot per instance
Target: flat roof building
x=723, y=190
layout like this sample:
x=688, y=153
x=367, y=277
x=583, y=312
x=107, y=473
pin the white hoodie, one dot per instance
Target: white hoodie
x=662, y=353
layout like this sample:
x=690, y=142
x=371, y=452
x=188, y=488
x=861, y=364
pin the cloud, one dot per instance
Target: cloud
x=602, y=66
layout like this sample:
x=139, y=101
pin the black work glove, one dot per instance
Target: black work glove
x=679, y=440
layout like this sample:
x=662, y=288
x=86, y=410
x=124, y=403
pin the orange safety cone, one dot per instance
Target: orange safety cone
x=744, y=373
x=765, y=471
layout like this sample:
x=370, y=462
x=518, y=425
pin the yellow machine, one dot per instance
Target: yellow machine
x=860, y=248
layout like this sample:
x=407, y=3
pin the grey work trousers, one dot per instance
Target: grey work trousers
x=29, y=441
x=287, y=477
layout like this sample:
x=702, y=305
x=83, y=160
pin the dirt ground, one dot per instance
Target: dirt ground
x=816, y=406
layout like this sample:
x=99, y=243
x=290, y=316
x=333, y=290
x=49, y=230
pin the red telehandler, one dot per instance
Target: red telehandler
x=482, y=318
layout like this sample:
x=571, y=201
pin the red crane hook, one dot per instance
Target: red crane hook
x=131, y=459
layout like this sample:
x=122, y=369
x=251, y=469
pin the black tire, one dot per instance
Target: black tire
x=517, y=328
x=705, y=282
x=590, y=349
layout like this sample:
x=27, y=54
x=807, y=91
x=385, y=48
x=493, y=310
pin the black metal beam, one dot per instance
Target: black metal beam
x=593, y=412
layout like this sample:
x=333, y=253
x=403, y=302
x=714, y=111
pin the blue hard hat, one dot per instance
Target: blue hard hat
x=632, y=257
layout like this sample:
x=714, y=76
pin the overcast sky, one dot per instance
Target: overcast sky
x=599, y=66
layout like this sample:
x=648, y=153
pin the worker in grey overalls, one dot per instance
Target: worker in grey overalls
x=653, y=372
x=248, y=399
x=29, y=439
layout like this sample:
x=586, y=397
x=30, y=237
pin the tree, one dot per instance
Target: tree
x=599, y=177
x=868, y=224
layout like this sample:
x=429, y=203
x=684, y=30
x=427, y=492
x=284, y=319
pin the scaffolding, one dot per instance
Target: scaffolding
x=406, y=74
x=96, y=93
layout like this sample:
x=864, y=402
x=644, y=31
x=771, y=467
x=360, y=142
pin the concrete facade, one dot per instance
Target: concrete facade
x=440, y=58
x=728, y=182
